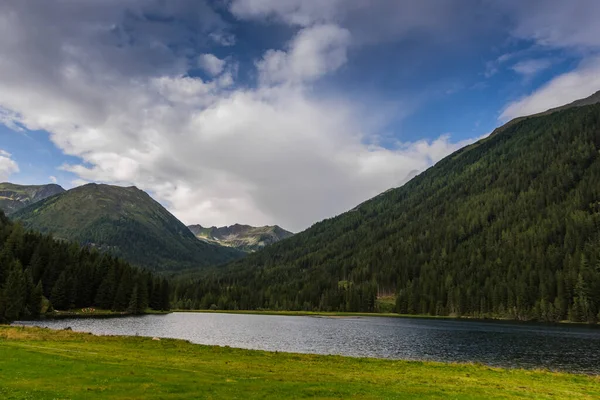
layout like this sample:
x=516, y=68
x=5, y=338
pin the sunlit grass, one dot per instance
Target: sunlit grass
x=43, y=364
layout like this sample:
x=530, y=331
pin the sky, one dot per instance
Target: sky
x=274, y=111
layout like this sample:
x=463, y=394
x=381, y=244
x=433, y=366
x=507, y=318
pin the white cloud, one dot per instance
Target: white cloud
x=223, y=38
x=53, y=179
x=8, y=166
x=530, y=68
x=567, y=26
x=555, y=23
x=294, y=12
x=580, y=83
x=214, y=153
x=314, y=52
x=369, y=21
x=211, y=64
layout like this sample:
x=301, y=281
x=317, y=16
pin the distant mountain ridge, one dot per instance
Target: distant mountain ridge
x=13, y=197
x=242, y=237
x=125, y=221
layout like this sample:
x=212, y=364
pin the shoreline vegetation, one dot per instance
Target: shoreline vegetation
x=100, y=314
x=94, y=313
x=335, y=314
x=43, y=364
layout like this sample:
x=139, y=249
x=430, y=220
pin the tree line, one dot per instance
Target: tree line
x=507, y=227
x=39, y=273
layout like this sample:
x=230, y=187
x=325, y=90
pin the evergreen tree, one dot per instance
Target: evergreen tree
x=61, y=293
x=123, y=294
x=134, y=306
x=166, y=294
x=35, y=300
x=105, y=296
x=15, y=293
x=68, y=275
x=29, y=288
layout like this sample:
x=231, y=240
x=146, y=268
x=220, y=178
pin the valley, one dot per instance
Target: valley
x=294, y=199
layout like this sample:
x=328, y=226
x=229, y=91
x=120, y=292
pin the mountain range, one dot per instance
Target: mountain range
x=242, y=237
x=126, y=222
x=506, y=227
x=14, y=197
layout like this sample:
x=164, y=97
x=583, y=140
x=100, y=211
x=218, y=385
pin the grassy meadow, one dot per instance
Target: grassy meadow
x=39, y=363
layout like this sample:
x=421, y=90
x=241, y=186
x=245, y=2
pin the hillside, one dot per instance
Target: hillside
x=507, y=227
x=242, y=237
x=35, y=267
x=126, y=222
x=14, y=197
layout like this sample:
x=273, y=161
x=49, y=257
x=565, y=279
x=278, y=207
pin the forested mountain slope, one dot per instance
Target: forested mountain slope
x=509, y=226
x=14, y=197
x=126, y=222
x=34, y=266
x=242, y=237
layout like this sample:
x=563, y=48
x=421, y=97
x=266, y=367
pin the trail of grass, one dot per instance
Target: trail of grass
x=39, y=363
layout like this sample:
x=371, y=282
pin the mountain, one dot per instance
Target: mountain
x=35, y=266
x=242, y=237
x=507, y=227
x=125, y=221
x=593, y=99
x=14, y=197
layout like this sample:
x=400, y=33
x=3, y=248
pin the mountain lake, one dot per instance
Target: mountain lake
x=569, y=348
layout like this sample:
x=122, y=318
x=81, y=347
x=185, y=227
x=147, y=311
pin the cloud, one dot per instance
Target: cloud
x=529, y=68
x=109, y=82
x=555, y=23
x=369, y=21
x=314, y=52
x=53, y=179
x=223, y=38
x=293, y=12
x=565, y=26
x=211, y=64
x=7, y=165
x=580, y=83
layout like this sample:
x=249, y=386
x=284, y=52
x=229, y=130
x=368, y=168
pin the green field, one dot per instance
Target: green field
x=43, y=364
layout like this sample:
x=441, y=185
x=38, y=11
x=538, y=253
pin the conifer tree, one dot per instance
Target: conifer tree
x=35, y=300
x=70, y=276
x=60, y=295
x=134, y=306
x=15, y=293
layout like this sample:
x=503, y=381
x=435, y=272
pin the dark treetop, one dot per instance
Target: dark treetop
x=35, y=268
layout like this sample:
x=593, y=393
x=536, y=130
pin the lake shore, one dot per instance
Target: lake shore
x=96, y=314
x=41, y=363
x=335, y=314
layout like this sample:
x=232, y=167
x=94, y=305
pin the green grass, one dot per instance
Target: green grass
x=38, y=363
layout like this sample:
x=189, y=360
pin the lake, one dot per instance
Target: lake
x=566, y=347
